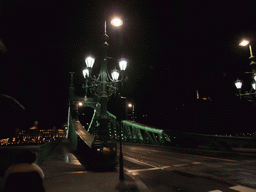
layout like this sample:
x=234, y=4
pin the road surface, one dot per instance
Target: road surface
x=174, y=169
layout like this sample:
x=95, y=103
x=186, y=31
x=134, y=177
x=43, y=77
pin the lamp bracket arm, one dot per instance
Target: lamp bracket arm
x=95, y=79
x=114, y=81
x=111, y=86
x=92, y=86
x=109, y=76
x=94, y=93
x=246, y=94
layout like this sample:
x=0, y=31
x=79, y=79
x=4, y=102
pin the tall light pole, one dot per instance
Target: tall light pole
x=247, y=43
x=121, y=115
x=103, y=85
x=132, y=106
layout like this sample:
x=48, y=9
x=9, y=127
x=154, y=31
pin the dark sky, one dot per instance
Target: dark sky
x=173, y=49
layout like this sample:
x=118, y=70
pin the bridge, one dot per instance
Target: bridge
x=101, y=145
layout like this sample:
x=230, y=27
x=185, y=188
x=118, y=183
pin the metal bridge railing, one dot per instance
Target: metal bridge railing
x=135, y=132
x=131, y=131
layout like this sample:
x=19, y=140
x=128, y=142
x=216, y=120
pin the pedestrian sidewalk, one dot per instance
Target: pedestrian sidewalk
x=64, y=173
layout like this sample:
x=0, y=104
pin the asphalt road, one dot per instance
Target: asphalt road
x=174, y=169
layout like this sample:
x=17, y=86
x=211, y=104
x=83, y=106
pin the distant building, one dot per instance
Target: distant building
x=34, y=136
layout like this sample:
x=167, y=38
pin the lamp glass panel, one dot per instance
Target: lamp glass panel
x=89, y=61
x=123, y=65
x=86, y=73
x=254, y=86
x=115, y=75
x=238, y=84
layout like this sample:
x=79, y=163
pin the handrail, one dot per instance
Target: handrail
x=92, y=120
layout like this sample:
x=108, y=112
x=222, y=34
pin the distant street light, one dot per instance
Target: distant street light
x=78, y=104
x=132, y=106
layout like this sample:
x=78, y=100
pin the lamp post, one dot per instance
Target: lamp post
x=103, y=85
x=121, y=115
x=132, y=106
x=78, y=104
x=247, y=43
x=239, y=83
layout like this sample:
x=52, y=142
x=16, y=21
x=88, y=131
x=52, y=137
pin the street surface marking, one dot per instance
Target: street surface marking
x=75, y=172
x=215, y=191
x=148, y=169
x=242, y=189
x=208, y=157
x=229, y=160
x=153, y=166
x=180, y=165
x=238, y=188
x=196, y=163
x=137, y=161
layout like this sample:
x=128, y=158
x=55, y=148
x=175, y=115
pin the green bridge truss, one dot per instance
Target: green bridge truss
x=130, y=131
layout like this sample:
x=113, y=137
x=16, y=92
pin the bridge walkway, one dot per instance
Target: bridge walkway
x=63, y=172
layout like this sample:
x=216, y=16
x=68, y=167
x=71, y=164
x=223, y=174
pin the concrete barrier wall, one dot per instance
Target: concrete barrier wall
x=7, y=156
x=46, y=150
x=72, y=134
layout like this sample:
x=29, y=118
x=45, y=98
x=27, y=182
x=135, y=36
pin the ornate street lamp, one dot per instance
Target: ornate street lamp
x=103, y=85
x=238, y=84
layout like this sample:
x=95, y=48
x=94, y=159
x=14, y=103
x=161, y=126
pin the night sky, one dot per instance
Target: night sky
x=173, y=49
